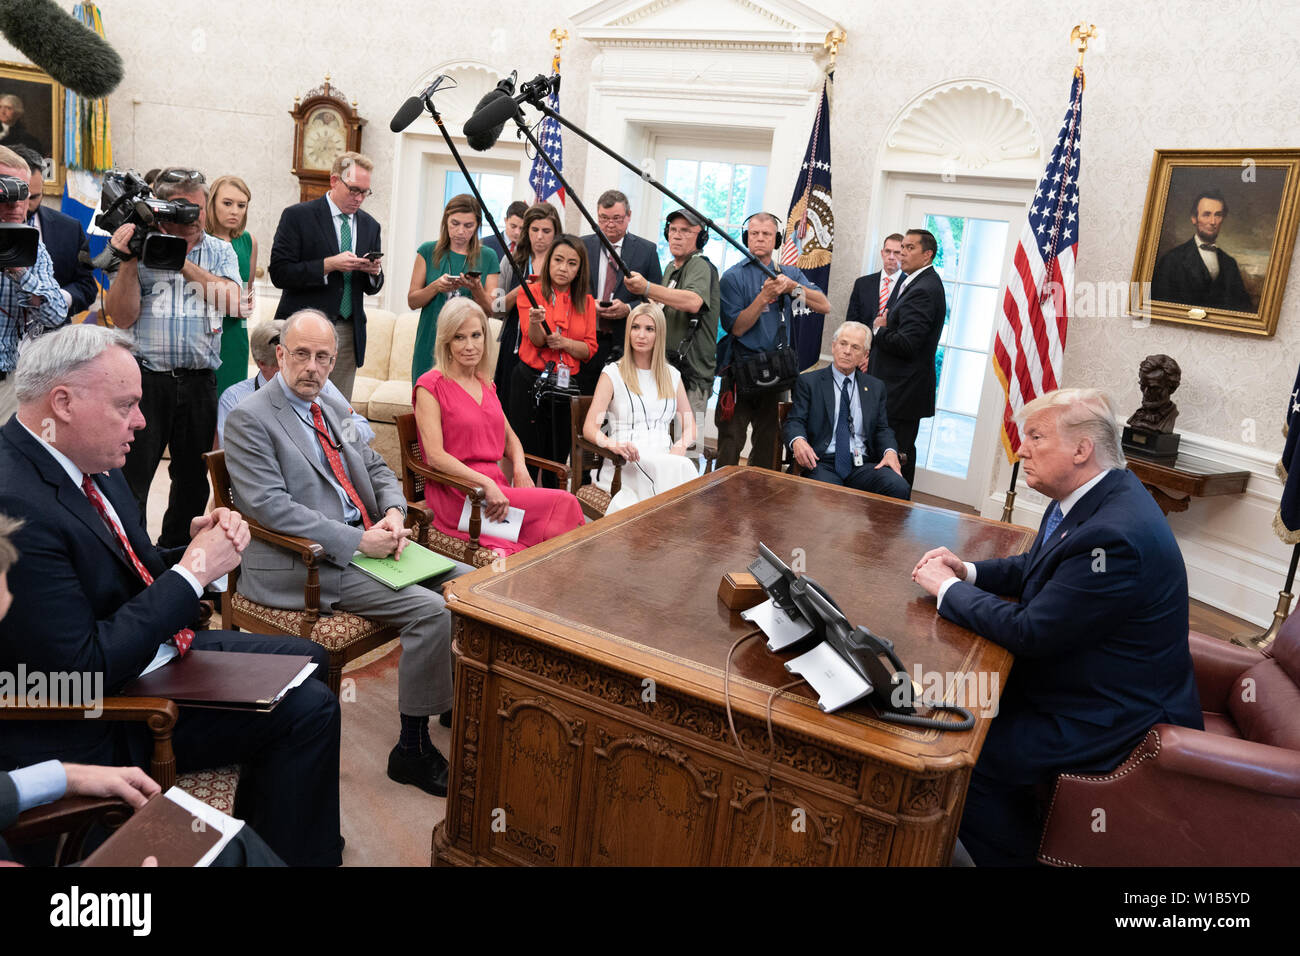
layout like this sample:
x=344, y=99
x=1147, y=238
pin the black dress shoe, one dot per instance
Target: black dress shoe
x=428, y=771
x=445, y=719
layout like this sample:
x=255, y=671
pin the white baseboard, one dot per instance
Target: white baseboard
x=1234, y=561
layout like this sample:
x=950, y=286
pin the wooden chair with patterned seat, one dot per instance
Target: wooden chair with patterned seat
x=345, y=636
x=72, y=818
x=585, y=457
x=416, y=471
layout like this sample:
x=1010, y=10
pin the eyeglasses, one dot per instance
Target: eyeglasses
x=602, y=217
x=303, y=356
x=356, y=190
x=177, y=174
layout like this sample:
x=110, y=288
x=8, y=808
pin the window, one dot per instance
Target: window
x=498, y=192
x=725, y=192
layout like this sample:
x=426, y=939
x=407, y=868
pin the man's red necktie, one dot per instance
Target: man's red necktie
x=884, y=292
x=336, y=464
x=182, y=638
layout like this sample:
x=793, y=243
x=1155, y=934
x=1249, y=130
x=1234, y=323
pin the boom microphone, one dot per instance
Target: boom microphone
x=409, y=111
x=59, y=44
x=483, y=137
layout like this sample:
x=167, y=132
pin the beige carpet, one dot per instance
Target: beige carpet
x=385, y=823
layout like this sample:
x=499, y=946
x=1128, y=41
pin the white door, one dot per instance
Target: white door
x=977, y=237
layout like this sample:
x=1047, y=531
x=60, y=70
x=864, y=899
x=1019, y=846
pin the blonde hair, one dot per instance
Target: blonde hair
x=345, y=161
x=213, y=192
x=450, y=319
x=1084, y=413
x=658, y=363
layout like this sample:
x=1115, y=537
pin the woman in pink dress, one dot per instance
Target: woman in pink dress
x=464, y=432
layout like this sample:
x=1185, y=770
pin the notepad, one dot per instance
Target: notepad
x=173, y=827
x=507, y=530
x=417, y=564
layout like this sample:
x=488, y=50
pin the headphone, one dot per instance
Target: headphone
x=744, y=236
x=701, y=238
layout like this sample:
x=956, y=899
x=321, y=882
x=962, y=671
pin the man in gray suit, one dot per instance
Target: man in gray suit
x=296, y=469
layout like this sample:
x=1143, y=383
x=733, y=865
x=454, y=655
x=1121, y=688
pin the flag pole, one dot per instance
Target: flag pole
x=1079, y=37
x=1284, y=597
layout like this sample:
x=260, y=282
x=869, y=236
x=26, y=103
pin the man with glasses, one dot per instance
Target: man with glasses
x=613, y=300
x=326, y=256
x=297, y=469
x=174, y=320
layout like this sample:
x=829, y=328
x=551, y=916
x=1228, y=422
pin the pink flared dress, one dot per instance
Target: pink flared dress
x=475, y=434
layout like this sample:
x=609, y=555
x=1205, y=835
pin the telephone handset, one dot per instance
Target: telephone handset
x=891, y=689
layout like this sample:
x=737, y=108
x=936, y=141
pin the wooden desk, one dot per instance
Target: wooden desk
x=1187, y=476
x=590, y=724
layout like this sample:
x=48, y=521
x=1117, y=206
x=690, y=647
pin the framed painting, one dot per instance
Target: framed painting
x=31, y=114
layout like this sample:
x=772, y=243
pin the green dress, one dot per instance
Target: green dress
x=234, y=330
x=453, y=263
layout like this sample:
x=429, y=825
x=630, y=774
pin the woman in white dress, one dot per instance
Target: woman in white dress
x=638, y=398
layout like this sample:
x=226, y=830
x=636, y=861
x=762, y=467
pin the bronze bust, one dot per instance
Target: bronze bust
x=1159, y=376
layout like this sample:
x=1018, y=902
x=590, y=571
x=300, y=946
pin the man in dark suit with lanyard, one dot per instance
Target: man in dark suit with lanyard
x=326, y=256
x=905, y=339
x=64, y=240
x=1098, y=625
x=613, y=300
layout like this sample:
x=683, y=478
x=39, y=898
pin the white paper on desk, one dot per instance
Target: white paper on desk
x=227, y=826
x=781, y=630
x=507, y=530
x=834, y=679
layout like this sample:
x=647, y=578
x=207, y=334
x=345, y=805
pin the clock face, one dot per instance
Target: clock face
x=323, y=139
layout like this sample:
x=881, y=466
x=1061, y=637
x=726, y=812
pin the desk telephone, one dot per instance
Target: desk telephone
x=872, y=657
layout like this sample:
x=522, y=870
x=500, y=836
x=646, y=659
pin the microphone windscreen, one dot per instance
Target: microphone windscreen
x=406, y=114
x=483, y=129
x=69, y=51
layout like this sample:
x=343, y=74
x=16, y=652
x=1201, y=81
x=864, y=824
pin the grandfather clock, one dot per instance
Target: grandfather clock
x=324, y=125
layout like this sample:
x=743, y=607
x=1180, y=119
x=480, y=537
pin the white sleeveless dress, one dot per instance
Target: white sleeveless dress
x=643, y=420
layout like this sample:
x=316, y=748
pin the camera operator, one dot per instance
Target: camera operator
x=175, y=320
x=29, y=297
x=689, y=292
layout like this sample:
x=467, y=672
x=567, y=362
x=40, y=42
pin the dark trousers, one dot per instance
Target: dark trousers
x=289, y=758
x=180, y=412
x=1002, y=822
x=905, y=430
x=607, y=342
x=758, y=410
x=880, y=481
x=543, y=428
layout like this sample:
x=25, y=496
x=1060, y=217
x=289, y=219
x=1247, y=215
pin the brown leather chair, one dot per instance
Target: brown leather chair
x=1225, y=796
x=416, y=471
x=584, y=457
x=345, y=636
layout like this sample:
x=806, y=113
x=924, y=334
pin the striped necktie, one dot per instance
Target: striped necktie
x=885, y=283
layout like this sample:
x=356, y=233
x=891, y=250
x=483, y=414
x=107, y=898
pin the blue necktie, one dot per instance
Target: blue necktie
x=843, y=454
x=1054, y=518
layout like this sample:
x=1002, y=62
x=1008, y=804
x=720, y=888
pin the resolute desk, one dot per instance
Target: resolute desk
x=590, y=725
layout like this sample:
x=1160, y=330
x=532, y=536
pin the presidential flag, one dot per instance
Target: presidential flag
x=1039, y=293
x=1286, y=523
x=810, y=228
x=543, y=180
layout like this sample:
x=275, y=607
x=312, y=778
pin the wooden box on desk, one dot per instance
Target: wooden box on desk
x=590, y=715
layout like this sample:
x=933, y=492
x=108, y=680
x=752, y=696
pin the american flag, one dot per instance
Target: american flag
x=544, y=183
x=1039, y=292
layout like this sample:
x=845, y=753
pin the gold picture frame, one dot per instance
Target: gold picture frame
x=42, y=120
x=1245, y=230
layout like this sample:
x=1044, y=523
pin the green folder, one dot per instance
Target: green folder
x=417, y=564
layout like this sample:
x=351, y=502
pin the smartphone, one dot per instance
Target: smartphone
x=373, y=256
x=605, y=303
x=471, y=275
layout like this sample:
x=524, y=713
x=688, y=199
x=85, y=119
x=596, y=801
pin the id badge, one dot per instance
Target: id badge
x=562, y=376
x=858, y=460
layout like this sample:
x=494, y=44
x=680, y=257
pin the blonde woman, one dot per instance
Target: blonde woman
x=638, y=398
x=464, y=432
x=227, y=218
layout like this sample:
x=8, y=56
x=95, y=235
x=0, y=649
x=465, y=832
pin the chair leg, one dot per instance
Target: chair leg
x=335, y=677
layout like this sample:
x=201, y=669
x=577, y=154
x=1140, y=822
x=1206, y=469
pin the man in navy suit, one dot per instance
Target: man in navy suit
x=319, y=258
x=613, y=214
x=838, y=426
x=1098, y=624
x=511, y=229
x=93, y=596
x=64, y=240
x=906, y=337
